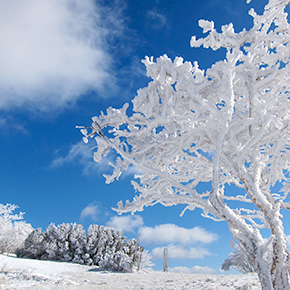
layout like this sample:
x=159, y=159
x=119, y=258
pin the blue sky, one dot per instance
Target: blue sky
x=62, y=62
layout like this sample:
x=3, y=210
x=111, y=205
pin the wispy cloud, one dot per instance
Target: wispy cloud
x=81, y=153
x=156, y=19
x=193, y=270
x=53, y=51
x=126, y=223
x=90, y=211
x=11, y=125
x=170, y=233
x=179, y=252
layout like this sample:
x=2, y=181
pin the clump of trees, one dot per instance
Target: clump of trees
x=13, y=230
x=226, y=125
x=102, y=246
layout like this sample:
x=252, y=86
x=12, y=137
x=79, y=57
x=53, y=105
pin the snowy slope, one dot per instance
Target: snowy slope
x=16, y=273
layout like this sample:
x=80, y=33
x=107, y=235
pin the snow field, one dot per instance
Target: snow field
x=17, y=273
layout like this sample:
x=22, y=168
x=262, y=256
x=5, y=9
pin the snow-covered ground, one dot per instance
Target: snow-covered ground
x=17, y=273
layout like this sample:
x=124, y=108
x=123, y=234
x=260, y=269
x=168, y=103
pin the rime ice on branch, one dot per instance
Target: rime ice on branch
x=226, y=125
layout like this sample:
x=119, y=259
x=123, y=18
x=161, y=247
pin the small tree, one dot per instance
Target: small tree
x=146, y=261
x=228, y=125
x=13, y=231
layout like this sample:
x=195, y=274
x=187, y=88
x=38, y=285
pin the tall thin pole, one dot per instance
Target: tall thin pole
x=165, y=260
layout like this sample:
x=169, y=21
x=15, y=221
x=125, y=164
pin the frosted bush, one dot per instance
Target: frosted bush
x=13, y=231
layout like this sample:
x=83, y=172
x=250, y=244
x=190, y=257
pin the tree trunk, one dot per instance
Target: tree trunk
x=264, y=276
x=279, y=269
x=270, y=282
x=273, y=275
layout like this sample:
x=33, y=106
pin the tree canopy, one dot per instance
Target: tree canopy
x=226, y=125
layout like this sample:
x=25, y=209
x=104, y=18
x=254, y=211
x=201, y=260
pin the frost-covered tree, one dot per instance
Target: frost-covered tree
x=226, y=125
x=101, y=246
x=146, y=260
x=13, y=230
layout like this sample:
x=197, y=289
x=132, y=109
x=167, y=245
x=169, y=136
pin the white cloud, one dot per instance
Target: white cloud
x=131, y=171
x=52, y=51
x=91, y=211
x=126, y=223
x=170, y=233
x=179, y=252
x=193, y=270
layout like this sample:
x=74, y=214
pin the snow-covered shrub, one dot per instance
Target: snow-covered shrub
x=32, y=248
x=13, y=231
x=121, y=256
x=101, y=246
x=59, y=243
x=109, y=249
x=239, y=260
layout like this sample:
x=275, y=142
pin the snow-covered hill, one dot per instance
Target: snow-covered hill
x=16, y=273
